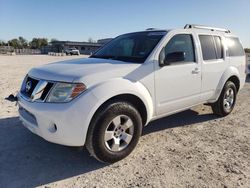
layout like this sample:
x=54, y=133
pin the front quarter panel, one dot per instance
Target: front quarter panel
x=111, y=88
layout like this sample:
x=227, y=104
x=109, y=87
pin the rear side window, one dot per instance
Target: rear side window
x=234, y=47
x=211, y=47
x=219, y=48
x=208, y=47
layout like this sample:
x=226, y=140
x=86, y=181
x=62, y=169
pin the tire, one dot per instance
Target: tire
x=226, y=102
x=105, y=141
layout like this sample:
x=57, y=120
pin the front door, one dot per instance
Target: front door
x=178, y=84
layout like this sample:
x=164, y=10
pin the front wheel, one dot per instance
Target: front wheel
x=114, y=132
x=226, y=102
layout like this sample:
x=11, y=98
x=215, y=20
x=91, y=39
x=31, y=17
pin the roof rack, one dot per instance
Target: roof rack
x=190, y=26
x=151, y=29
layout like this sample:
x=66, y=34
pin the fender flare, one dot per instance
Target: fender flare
x=229, y=72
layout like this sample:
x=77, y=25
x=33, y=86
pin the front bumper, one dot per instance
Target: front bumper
x=61, y=123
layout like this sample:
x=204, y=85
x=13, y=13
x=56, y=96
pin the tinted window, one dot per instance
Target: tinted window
x=126, y=47
x=207, y=46
x=234, y=47
x=133, y=47
x=182, y=43
x=219, y=48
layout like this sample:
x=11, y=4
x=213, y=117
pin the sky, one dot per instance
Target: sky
x=79, y=20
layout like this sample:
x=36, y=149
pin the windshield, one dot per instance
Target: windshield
x=133, y=47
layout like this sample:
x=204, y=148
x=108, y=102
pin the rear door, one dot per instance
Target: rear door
x=213, y=61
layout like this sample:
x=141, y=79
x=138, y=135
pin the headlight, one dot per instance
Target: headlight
x=65, y=92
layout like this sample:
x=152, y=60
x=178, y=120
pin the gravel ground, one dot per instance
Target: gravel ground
x=193, y=148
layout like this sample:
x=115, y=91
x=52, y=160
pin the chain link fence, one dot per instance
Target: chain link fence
x=8, y=50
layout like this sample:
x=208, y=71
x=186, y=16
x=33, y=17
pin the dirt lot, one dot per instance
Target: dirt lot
x=190, y=149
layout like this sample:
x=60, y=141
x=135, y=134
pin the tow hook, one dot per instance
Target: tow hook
x=11, y=98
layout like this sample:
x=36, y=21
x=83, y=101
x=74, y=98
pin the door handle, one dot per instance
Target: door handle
x=196, y=71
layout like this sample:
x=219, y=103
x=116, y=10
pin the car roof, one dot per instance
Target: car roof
x=151, y=31
x=193, y=27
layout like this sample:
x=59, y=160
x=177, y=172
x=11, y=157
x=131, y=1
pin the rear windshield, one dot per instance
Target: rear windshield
x=133, y=47
x=234, y=47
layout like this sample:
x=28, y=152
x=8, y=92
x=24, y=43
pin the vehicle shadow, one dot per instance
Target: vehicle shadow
x=177, y=120
x=27, y=160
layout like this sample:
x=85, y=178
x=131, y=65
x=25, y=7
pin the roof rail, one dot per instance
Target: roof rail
x=190, y=26
x=151, y=29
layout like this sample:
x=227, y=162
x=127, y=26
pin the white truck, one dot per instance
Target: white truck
x=104, y=101
x=72, y=51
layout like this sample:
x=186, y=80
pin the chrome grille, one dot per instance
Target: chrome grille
x=34, y=89
x=32, y=84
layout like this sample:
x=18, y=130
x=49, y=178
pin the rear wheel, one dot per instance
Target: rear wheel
x=114, y=132
x=226, y=102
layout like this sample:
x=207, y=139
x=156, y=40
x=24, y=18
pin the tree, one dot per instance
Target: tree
x=2, y=43
x=53, y=40
x=37, y=43
x=90, y=40
x=18, y=43
x=23, y=43
x=14, y=43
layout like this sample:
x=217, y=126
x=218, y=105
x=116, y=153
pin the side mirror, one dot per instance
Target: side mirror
x=162, y=58
x=174, y=57
x=170, y=58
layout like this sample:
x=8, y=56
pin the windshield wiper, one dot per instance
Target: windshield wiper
x=133, y=59
x=103, y=56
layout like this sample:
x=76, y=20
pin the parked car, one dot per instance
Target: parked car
x=248, y=64
x=104, y=101
x=72, y=51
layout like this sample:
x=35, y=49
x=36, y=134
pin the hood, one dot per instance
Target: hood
x=83, y=70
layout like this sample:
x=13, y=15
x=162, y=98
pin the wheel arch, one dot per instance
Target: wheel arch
x=125, y=90
x=230, y=74
x=130, y=98
x=92, y=132
x=235, y=80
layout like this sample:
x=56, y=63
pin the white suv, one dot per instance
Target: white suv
x=72, y=51
x=104, y=101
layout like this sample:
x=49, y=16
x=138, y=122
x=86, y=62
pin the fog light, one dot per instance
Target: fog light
x=53, y=128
